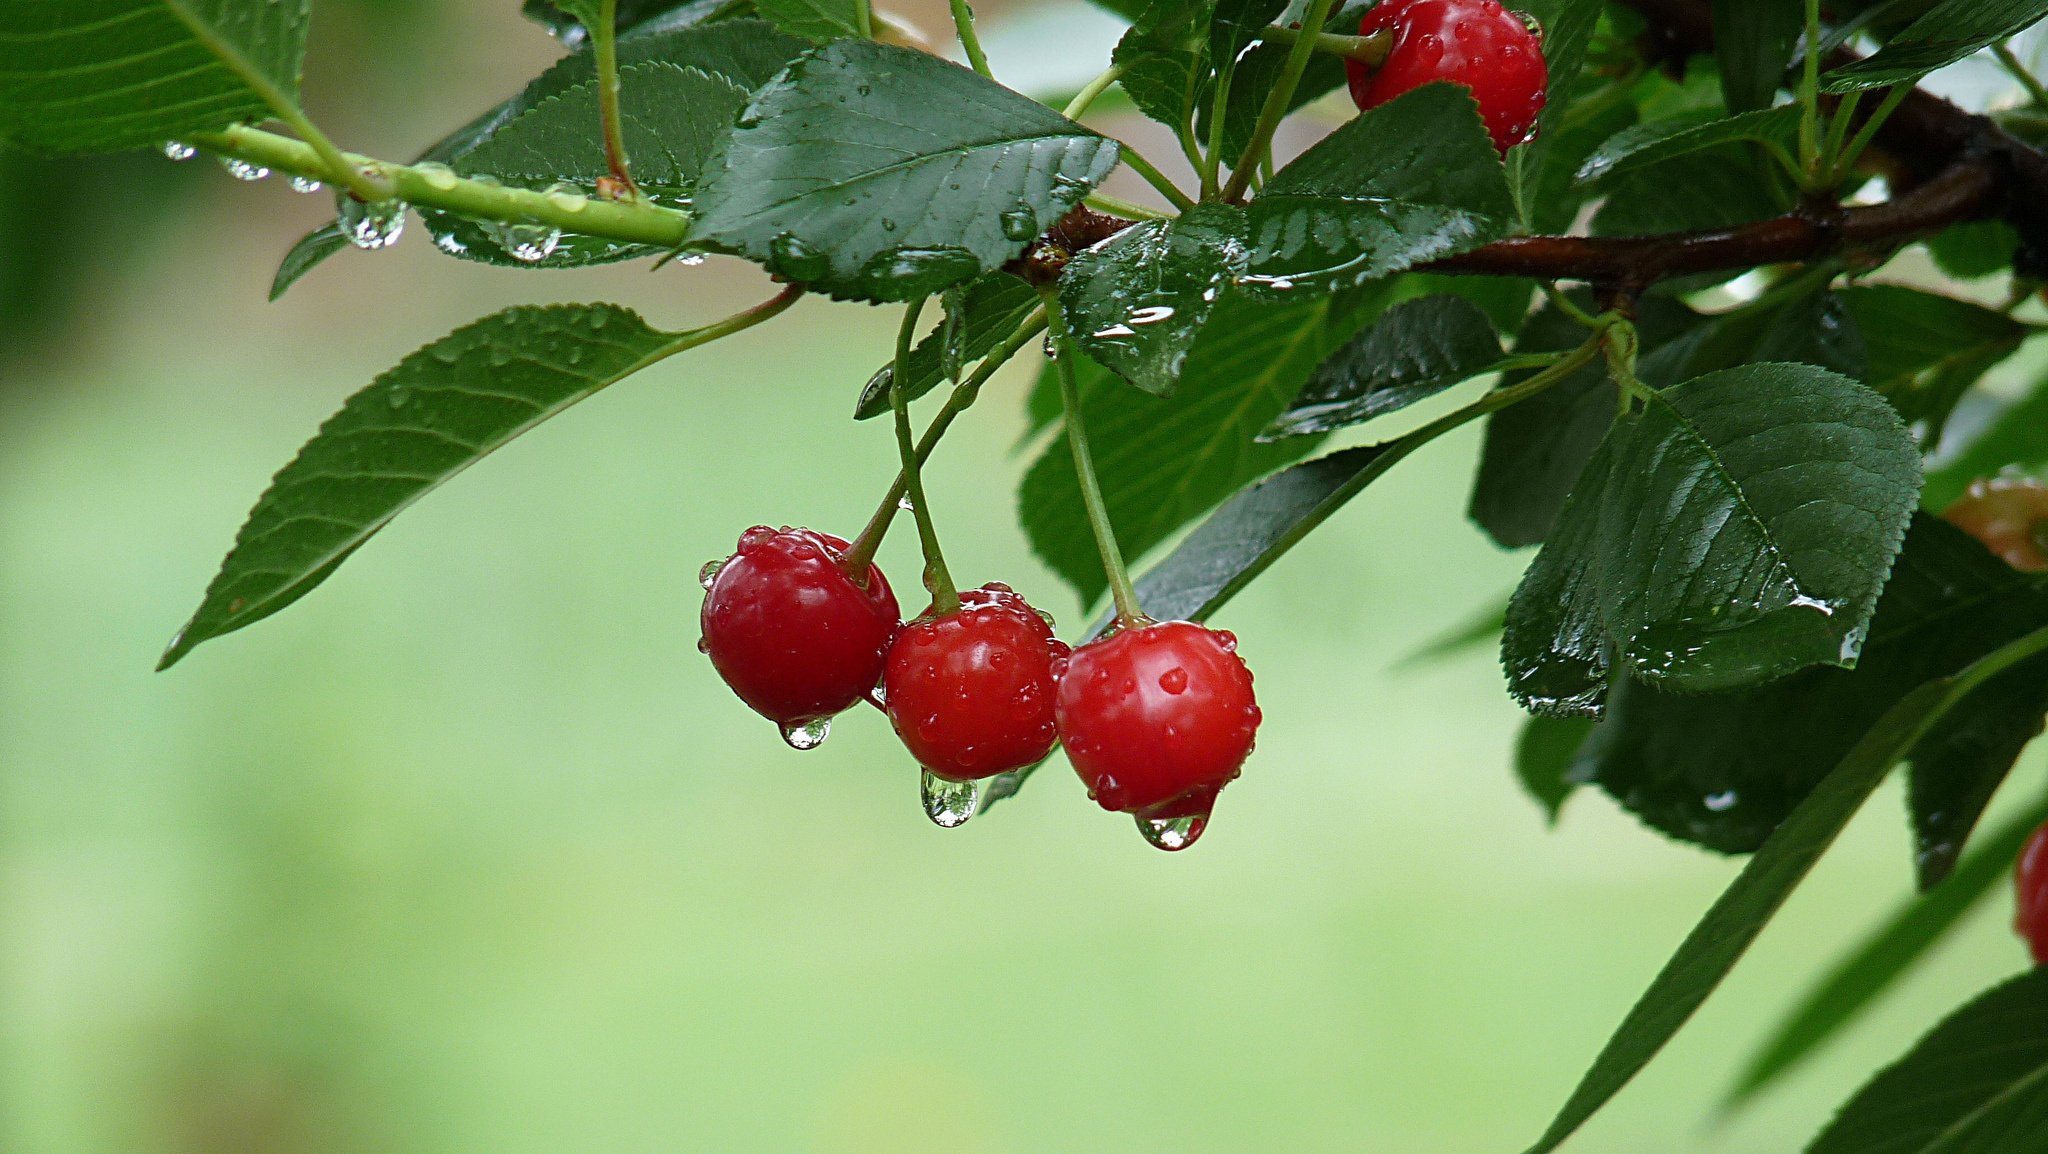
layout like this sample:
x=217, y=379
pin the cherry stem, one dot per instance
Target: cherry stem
x=963, y=26
x=1370, y=51
x=945, y=598
x=1128, y=614
x=1279, y=99
x=964, y=394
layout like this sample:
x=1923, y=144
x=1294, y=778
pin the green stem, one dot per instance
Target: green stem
x=1845, y=163
x=1212, y=156
x=603, y=39
x=1128, y=614
x=1117, y=206
x=1370, y=51
x=434, y=186
x=962, y=397
x=738, y=322
x=1154, y=177
x=945, y=598
x=1838, y=132
x=1094, y=89
x=864, y=18
x=1809, y=96
x=1564, y=304
x=2021, y=73
x=1279, y=99
x=963, y=26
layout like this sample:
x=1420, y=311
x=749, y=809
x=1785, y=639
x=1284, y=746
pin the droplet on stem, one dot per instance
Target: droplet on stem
x=179, y=150
x=949, y=803
x=369, y=225
x=242, y=170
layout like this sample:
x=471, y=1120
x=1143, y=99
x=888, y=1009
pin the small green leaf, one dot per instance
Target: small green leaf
x=1975, y=249
x=1858, y=978
x=310, y=250
x=671, y=118
x=1947, y=33
x=1978, y=1084
x=1544, y=756
x=438, y=412
x=992, y=309
x=1138, y=302
x=1753, y=42
x=1926, y=350
x=107, y=75
x=1663, y=140
x=1416, y=350
x=1163, y=56
x=2016, y=438
x=839, y=175
x=1410, y=181
x=815, y=20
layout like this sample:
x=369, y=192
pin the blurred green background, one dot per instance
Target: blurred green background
x=471, y=851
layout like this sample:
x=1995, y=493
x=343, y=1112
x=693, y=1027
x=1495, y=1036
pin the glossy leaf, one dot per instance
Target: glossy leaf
x=438, y=412
x=671, y=119
x=1663, y=140
x=1890, y=951
x=990, y=310
x=105, y=75
x=630, y=15
x=814, y=20
x=839, y=176
x=1416, y=350
x=1544, y=756
x=1410, y=181
x=1978, y=1084
x=1753, y=42
x=310, y=250
x=1717, y=187
x=1138, y=301
x=1947, y=33
x=1927, y=349
x=1164, y=58
x=1761, y=510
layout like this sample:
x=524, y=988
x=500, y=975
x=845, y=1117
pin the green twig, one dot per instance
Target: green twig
x=1128, y=614
x=603, y=39
x=1845, y=163
x=2021, y=73
x=1093, y=89
x=1809, y=96
x=1279, y=100
x=1370, y=51
x=945, y=598
x=864, y=18
x=1154, y=177
x=963, y=27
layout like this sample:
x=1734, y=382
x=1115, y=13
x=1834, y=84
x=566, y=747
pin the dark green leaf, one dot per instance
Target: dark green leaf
x=1974, y=250
x=439, y=411
x=1713, y=188
x=1417, y=349
x=840, y=176
x=1753, y=40
x=1408, y=182
x=1977, y=1085
x=1164, y=462
x=1947, y=33
x=1544, y=756
x=1603, y=109
x=630, y=15
x=1137, y=302
x=2017, y=438
x=1237, y=23
x=671, y=119
x=1761, y=511
x=1567, y=32
x=1722, y=770
x=1164, y=57
x=1888, y=953
x=106, y=75
x=1664, y=140
x=814, y=20
x=1257, y=71
x=310, y=250
x=1926, y=349
x=991, y=309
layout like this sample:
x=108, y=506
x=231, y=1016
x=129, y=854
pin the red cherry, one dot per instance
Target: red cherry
x=1156, y=720
x=791, y=633
x=2008, y=514
x=971, y=692
x=1476, y=43
x=2030, y=885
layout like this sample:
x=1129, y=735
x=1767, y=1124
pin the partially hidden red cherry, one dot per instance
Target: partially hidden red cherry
x=2008, y=514
x=2030, y=887
x=971, y=692
x=1157, y=719
x=1477, y=43
x=791, y=632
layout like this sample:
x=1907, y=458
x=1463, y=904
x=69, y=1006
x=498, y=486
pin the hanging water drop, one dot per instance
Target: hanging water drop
x=948, y=803
x=1018, y=223
x=810, y=735
x=1173, y=833
x=1721, y=802
x=527, y=243
x=906, y=504
x=242, y=170
x=690, y=259
x=179, y=150
x=304, y=184
x=369, y=225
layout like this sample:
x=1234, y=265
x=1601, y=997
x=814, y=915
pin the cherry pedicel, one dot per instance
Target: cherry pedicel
x=2008, y=514
x=971, y=695
x=2030, y=886
x=1156, y=720
x=1476, y=43
x=791, y=632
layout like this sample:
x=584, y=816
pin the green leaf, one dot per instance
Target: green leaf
x=1138, y=301
x=1254, y=78
x=1753, y=41
x=1647, y=144
x=1164, y=59
x=671, y=118
x=1713, y=188
x=1722, y=770
x=1410, y=181
x=1761, y=511
x=630, y=15
x=1567, y=33
x=1978, y=1084
x=310, y=250
x=1720, y=938
x=1927, y=349
x=1975, y=249
x=1164, y=462
x=992, y=309
x=1890, y=951
x=839, y=175
x=814, y=20
x=1553, y=205
x=2017, y=438
x=1544, y=756
x=439, y=411
x=1947, y=33
x=1237, y=23
x=1416, y=350
x=106, y=75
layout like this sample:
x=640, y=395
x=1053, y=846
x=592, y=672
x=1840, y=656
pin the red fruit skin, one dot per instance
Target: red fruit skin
x=789, y=630
x=971, y=693
x=1476, y=43
x=1157, y=719
x=2030, y=887
x=2008, y=514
